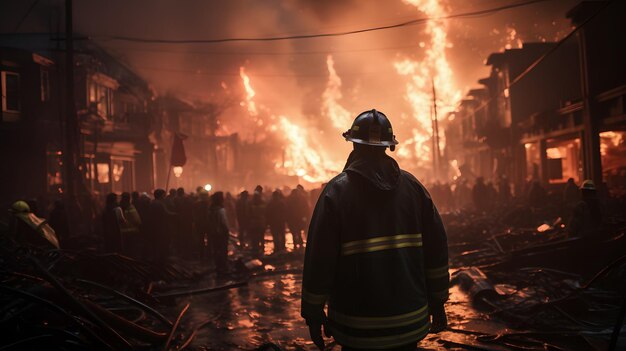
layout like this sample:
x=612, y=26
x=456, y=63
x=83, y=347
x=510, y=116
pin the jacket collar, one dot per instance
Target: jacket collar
x=376, y=167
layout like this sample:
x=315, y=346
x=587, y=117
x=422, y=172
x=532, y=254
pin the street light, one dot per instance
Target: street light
x=208, y=187
x=178, y=171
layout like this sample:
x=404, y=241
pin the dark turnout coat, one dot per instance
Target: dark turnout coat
x=376, y=255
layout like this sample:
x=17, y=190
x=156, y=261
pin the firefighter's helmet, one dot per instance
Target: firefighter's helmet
x=20, y=207
x=372, y=128
x=588, y=185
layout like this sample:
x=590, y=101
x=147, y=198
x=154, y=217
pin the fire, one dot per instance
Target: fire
x=302, y=156
x=339, y=116
x=252, y=110
x=432, y=69
x=512, y=39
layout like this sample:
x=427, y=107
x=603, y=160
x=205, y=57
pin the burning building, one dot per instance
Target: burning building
x=549, y=111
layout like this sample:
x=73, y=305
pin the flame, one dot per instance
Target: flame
x=252, y=110
x=339, y=116
x=432, y=69
x=303, y=157
x=512, y=39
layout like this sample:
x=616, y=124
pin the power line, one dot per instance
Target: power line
x=322, y=35
x=541, y=58
x=271, y=53
x=210, y=74
x=30, y=9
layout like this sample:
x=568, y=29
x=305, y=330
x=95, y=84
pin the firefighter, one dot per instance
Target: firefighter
x=376, y=253
x=586, y=215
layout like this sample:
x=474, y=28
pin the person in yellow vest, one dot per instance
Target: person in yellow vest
x=26, y=228
x=130, y=228
x=377, y=253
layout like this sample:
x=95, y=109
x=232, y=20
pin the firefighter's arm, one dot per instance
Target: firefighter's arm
x=322, y=252
x=436, y=255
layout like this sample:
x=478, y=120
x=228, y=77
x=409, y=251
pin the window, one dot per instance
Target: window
x=564, y=160
x=10, y=92
x=102, y=97
x=45, y=85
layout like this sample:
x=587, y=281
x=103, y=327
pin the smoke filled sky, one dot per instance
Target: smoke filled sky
x=290, y=76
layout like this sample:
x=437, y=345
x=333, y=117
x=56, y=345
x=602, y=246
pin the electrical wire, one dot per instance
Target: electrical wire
x=30, y=9
x=320, y=35
x=538, y=61
x=270, y=53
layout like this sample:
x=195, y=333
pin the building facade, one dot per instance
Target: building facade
x=552, y=111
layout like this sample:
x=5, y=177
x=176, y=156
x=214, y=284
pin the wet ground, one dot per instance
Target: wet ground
x=267, y=310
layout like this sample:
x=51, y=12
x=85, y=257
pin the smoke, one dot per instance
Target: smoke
x=291, y=77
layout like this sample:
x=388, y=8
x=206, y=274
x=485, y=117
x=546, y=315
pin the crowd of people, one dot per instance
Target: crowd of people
x=198, y=225
x=484, y=196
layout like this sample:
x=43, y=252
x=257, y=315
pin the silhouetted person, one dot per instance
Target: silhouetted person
x=201, y=224
x=571, y=194
x=446, y=196
x=58, y=221
x=131, y=240
x=112, y=221
x=276, y=214
x=297, y=214
x=537, y=195
x=184, y=236
x=480, y=195
x=504, y=190
x=257, y=223
x=159, y=227
x=231, y=211
x=492, y=195
x=219, y=233
x=243, y=216
x=170, y=200
x=463, y=195
x=587, y=214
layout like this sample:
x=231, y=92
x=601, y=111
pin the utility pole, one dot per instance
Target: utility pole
x=71, y=121
x=435, y=126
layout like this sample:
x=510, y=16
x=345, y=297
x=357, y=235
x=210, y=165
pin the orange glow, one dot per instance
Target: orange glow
x=339, y=116
x=303, y=157
x=249, y=93
x=434, y=67
x=512, y=40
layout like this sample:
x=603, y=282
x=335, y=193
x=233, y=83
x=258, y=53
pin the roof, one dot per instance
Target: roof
x=532, y=49
x=579, y=13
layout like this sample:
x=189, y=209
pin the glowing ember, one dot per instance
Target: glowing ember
x=512, y=40
x=340, y=117
x=433, y=68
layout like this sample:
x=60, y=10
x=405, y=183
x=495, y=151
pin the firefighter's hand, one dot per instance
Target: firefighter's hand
x=315, y=330
x=439, y=319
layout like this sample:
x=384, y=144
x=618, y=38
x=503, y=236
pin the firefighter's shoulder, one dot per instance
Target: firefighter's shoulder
x=412, y=181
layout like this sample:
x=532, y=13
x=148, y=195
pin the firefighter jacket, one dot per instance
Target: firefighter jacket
x=376, y=255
